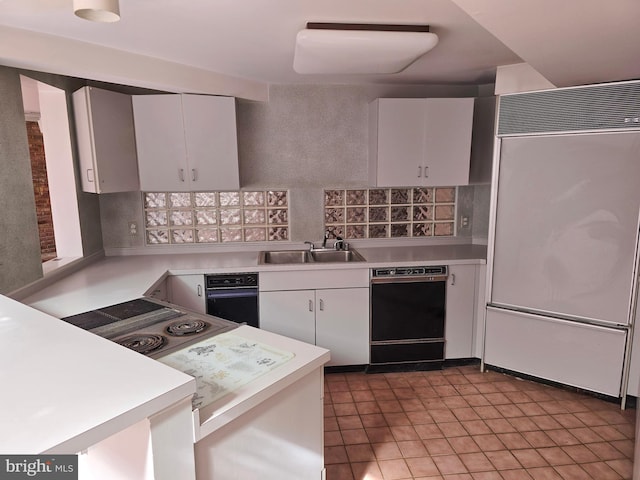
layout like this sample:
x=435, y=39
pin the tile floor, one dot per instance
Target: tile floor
x=459, y=423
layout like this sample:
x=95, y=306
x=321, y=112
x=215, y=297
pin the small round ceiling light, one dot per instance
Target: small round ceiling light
x=105, y=11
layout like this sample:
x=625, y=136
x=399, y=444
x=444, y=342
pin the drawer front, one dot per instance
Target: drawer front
x=314, y=279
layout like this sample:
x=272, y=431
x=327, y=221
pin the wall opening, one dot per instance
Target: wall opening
x=41, y=191
x=47, y=124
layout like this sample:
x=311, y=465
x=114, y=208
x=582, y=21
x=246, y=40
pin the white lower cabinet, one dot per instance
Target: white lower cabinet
x=289, y=313
x=460, y=311
x=342, y=324
x=336, y=319
x=333, y=318
x=187, y=291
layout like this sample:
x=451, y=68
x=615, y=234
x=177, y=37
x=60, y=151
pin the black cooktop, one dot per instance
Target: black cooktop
x=113, y=313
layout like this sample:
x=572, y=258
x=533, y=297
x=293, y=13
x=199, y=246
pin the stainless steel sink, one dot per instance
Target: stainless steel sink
x=336, y=256
x=308, y=256
x=284, y=256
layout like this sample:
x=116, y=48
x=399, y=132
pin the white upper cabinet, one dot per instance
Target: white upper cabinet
x=420, y=141
x=106, y=141
x=186, y=142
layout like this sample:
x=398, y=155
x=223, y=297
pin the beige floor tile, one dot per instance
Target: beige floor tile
x=438, y=446
x=365, y=471
x=386, y=451
x=341, y=471
x=412, y=448
x=355, y=436
x=601, y=471
x=360, y=453
x=459, y=424
x=394, y=469
x=476, y=462
x=503, y=460
x=449, y=464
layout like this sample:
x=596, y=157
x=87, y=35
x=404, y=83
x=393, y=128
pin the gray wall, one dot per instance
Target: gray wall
x=19, y=242
x=305, y=139
x=20, y=261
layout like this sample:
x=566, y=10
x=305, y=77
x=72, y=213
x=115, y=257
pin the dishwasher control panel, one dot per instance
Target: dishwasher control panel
x=432, y=271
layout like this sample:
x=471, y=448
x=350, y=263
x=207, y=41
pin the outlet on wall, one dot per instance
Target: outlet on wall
x=133, y=228
x=464, y=221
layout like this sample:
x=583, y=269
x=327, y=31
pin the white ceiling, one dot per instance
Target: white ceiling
x=568, y=41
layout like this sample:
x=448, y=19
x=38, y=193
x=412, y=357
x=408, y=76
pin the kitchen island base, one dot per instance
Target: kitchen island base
x=279, y=439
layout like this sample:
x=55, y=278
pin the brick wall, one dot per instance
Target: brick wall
x=41, y=191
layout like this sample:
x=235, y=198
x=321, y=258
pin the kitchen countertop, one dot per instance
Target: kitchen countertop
x=117, y=279
x=64, y=395
x=65, y=389
x=305, y=359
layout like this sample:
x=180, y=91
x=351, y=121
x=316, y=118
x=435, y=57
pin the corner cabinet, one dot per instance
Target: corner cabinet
x=186, y=142
x=106, y=141
x=420, y=141
x=461, y=304
x=302, y=305
x=187, y=291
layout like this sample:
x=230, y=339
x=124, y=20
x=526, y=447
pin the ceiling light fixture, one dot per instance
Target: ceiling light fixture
x=360, y=48
x=106, y=11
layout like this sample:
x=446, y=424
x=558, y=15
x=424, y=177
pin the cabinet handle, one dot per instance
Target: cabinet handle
x=453, y=279
x=426, y=171
x=419, y=171
x=199, y=290
x=321, y=305
x=194, y=175
x=181, y=174
x=90, y=178
x=310, y=305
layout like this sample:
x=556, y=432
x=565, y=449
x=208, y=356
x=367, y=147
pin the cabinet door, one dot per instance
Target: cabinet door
x=460, y=311
x=420, y=141
x=342, y=324
x=289, y=313
x=188, y=291
x=211, y=140
x=399, y=141
x=447, y=127
x=106, y=141
x=160, y=143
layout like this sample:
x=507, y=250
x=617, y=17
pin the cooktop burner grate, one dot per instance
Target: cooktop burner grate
x=189, y=326
x=143, y=342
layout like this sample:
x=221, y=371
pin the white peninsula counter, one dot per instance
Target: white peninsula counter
x=66, y=390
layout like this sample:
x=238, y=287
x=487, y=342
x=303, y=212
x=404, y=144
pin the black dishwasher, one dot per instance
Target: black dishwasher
x=407, y=318
x=233, y=296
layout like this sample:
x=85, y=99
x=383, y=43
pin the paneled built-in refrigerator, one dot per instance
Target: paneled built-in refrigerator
x=563, y=246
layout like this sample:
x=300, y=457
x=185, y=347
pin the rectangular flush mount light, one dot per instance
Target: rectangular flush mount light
x=355, y=48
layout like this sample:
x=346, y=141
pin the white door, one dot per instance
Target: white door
x=289, y=313
x=188, y=291
x=401, y=142
x=577, y=354
x=212, y=145
x=342, y=324
x=567, y=225
x=448, y=123
x=160, y=143
x=460, y=311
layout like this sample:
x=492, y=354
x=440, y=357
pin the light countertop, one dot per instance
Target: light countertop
x=117, y=279
x=69, y=389
x=64, y=389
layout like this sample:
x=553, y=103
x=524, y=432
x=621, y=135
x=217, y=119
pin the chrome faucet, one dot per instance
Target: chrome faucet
x=339, y=243
x=326, y=237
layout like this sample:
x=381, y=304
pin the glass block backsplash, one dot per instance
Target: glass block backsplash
x=390, y=212
x=215, y=217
